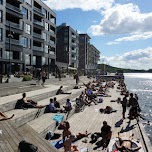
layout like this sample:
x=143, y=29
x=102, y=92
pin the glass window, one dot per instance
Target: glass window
x=22, y=25
x=43, y=60
x=45, y=12
x=29, y=2
x=46, y=26
x=1, y=34
x=27, y=28
x=1, y=15
x=0, y=52
x=34, y=60
x=46, y=48
x=1, y=2
x=24, y=41
x=27, y=59
x=25, y=12
x=45, y=36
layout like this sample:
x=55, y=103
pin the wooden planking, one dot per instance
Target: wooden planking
x=91, y=120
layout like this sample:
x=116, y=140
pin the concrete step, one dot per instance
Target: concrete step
x=24, y=116
x=8, y=102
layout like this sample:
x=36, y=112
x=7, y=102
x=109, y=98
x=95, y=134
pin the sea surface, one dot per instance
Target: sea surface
x=141, y=84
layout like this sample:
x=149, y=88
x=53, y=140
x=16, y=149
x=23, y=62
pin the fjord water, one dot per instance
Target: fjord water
x=141, y=84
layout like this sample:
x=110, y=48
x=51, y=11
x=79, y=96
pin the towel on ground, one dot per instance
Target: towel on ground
x=58, y=118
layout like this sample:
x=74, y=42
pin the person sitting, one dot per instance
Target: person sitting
x=4, y=117
x=56, y=103
x=126, y=145
x=29, y=103
x=74, y=148
x=68, y=106
x=106, y=134
x=60, y=91
x=52, y=107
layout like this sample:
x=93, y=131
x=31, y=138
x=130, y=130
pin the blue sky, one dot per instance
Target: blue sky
x=120, y=29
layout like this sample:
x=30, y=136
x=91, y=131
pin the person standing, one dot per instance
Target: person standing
x=43, y=75
x=124, y=105
x=77, y=78
x=59, y=73
x=38, y=76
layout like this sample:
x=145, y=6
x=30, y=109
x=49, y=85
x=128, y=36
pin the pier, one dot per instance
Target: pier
x=27, y=125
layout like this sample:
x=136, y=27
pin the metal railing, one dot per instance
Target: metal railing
x=37, y=35
x=39, y=11
x=51, y=52
x=14, y=8
x=13, y=41
x=38, y=23
x=14, y=25
x=36, y=48
x=52, y=42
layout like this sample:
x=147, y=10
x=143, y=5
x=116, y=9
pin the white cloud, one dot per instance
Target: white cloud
x=85, y=5
x=137, y=59
x=123, y=19
x=142, y=36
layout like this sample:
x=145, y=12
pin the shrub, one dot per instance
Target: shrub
x=27, y=78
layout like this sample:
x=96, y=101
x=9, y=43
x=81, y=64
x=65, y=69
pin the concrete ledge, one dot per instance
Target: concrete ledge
x=8, y=103
x=24, y=116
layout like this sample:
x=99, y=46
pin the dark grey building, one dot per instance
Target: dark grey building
x=27, y=35
x=67, y=45
x=88, y=54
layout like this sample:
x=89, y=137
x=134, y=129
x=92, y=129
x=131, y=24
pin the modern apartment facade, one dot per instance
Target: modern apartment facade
x=88, y=54
x=67, y=47
x=27, y=36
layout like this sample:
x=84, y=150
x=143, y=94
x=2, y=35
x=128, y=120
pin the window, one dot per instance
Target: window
x=1, y=2
x=27, y=59
x=24, y=41
x=27, y=28
x=46, y=26
x=43, y=60
x=0, y=52
x=46, y=48
x=25, y=12
x=1, y=34
x=29, y=2
x=1, y=16
x=34, y=60
x=22, y=25
x=45, y=36
x=45, y=12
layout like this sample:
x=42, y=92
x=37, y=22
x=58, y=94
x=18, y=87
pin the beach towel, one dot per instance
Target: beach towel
x=58, y=118
x=58, y=144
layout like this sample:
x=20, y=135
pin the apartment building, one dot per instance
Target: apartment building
x=88, y=54
x=67, y=47
x=27, y=36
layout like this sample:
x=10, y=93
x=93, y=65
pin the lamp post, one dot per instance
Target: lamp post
x=67, y=54
x=10, y=36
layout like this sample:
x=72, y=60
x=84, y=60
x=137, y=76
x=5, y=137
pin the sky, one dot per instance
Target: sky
x=120, y=29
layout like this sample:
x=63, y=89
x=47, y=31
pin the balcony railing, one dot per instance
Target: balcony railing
x=38, y=35
x=39, y=11
x=36, y=48
x=13, y=41
x=52, y=42
x=38, y=23
x=14, y=8
x=52, y=31
x=73, y=58
x=51, y=52
x=14, y=25
x=74, y=51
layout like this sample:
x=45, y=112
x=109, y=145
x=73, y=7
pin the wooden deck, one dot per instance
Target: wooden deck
x=91, y=120
x=11, y=136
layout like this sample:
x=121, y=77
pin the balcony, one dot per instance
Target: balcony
x=36, y=48
x=38, y=37
x=38, y=24
x=14, y=10
x=39, y=11
x=73, y=58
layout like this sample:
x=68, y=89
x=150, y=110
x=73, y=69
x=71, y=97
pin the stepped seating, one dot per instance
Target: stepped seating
x=45, y=123
x=24, y=116
x=8, y=102
x=11, y=136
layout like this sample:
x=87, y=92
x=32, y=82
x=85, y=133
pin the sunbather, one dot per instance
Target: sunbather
x=4, y=117
x=60, y=91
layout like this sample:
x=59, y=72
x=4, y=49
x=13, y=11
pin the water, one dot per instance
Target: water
x=141, y=84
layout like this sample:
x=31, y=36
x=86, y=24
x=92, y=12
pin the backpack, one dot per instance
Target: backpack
x=27, y=147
